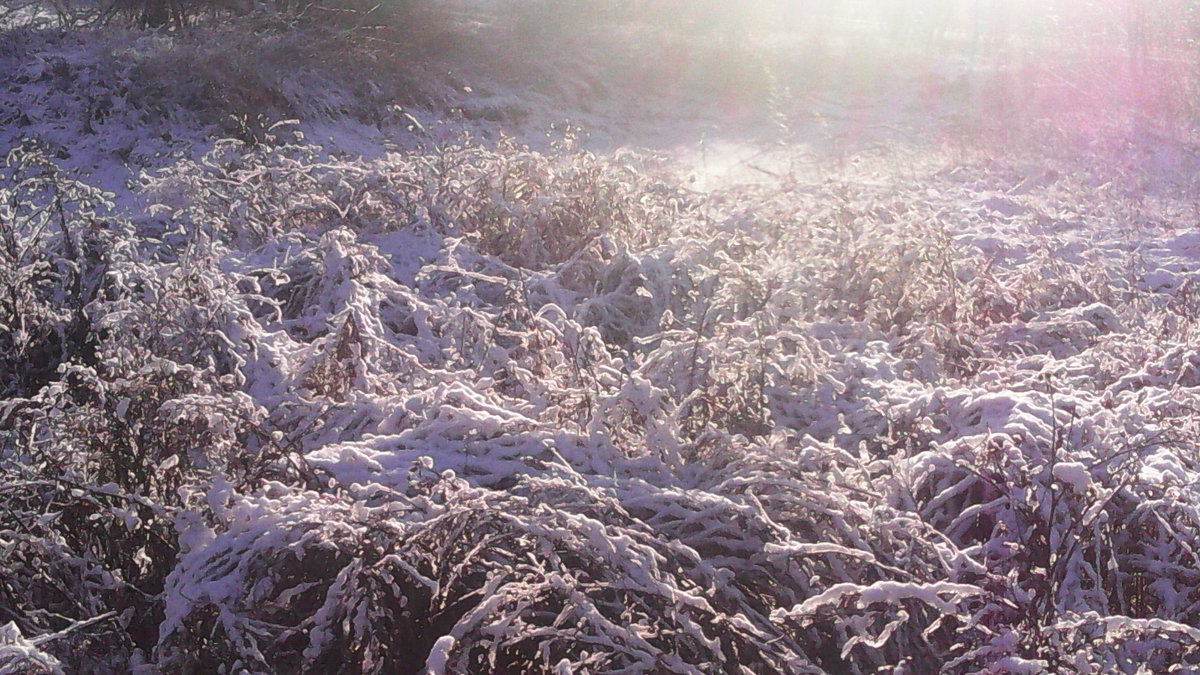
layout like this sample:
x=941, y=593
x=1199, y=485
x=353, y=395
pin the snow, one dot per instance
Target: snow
x=439, y=655
x=887, y=592
x=797, y=388
x=19, y=656
x=1015, y=665
x=1074, y=475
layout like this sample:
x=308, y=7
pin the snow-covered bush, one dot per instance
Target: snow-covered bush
x=481, y=407
x=18, y=655
x=544, y=575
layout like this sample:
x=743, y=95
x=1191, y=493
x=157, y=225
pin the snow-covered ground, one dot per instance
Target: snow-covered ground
x=788, y=370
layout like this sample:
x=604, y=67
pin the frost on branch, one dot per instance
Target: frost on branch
x=20, y=656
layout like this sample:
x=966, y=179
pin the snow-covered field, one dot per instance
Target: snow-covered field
x=830, y=377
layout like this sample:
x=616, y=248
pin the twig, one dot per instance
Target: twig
x=78, y=625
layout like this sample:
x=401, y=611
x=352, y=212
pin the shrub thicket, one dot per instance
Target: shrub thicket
x=488, y=408
x=478, y=407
